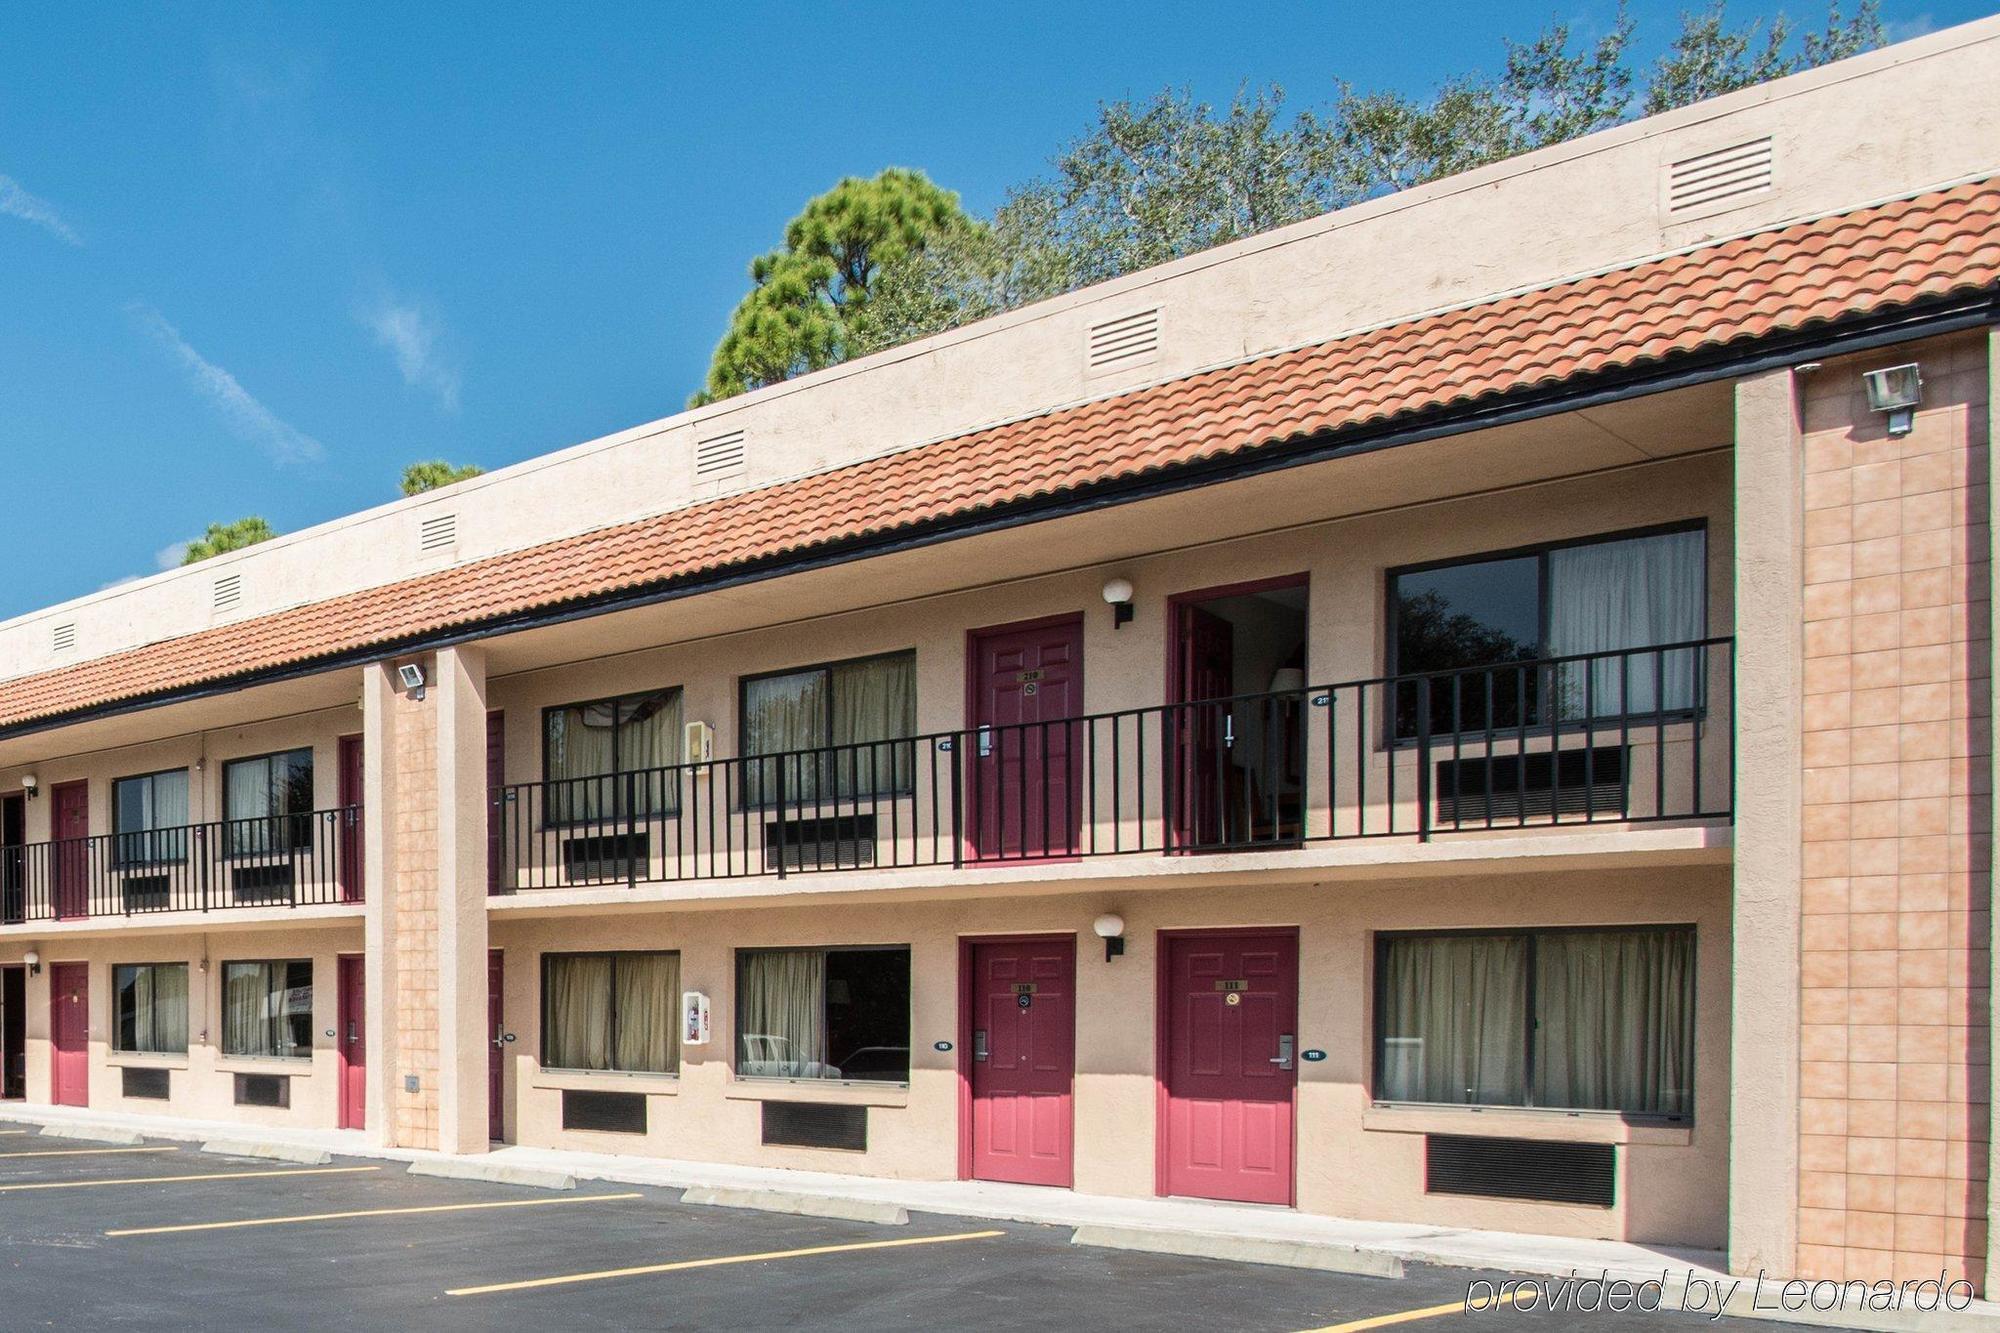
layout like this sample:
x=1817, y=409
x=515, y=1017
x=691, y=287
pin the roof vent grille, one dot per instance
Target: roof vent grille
x=437, y=533
x=228, y=592
x=1709, y=180
x=64, y=637
x=719, y=455
x=1129, y=340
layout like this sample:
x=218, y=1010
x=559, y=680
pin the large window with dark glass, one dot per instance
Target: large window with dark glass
x=267, y=1009
x=1577, y=1020
x=267, y=802
x=1580, y=616
x=612, y=1011
x=839, y=1013
x=831, y=731
x=150, y=1008
x=608, y=757
x=149, y=818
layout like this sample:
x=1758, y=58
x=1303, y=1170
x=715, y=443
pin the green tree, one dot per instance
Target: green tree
x=435, y=472
x=1156, y=180
x=222, y=537
x=807, y=295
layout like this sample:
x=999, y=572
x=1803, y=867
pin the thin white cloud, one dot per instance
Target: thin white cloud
x=412, y=337
x=16, y=202
x=249, y=419
x=1920, y=25
x=170, y=557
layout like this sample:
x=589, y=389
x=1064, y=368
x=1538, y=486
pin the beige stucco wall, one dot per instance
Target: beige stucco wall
x=1352, y=1161
x=201, y=1084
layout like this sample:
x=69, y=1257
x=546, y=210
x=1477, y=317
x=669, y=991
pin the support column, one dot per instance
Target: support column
x=1764, y=1011
x=379, y=842
x=462, y=1036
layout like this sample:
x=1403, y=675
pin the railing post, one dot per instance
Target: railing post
x=202, y=859
x=1423, y=759
x=779, y=825
x=631, y=829
x=958, y=802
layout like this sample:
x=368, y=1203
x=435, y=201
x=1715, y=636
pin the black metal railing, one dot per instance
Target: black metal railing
x=270, y=861
x=1637, y=736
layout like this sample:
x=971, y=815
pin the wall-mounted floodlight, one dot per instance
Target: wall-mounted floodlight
x=413, y=679
x=1896, y=390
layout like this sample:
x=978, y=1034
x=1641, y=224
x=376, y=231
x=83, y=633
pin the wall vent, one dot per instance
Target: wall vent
x=719, y=455
x=605, y=1112
x=1711, y=180
x=1546, y=1172
x=437, y=533
x=263, y=1090
x=1129, y=340
x=228, y=593
x=64, y=637
x=816, y=1125
x=139, y=1081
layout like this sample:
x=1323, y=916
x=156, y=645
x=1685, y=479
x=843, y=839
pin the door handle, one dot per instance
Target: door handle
x=1283, y=1059
x=985, y=742
x=979, y=1044
x=353, y=1035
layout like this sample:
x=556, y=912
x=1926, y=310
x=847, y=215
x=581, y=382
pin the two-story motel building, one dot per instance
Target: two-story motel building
x=1460, y=710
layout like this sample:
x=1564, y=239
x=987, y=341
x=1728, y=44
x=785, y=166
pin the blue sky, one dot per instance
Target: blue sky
x=256, y=259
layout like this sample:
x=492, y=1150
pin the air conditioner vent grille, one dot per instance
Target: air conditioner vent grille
x=1128, y=340
x=63, y=639
x=1713, y=178
x=437, y=533
x=228, y=593
x=719, y=455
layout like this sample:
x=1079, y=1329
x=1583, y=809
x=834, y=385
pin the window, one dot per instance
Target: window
x=267, y=803
x=824, y=730
x=610, y=755
x=612, y=1011
x=267, y=1009
x=1582, y=1020
x=1606, y=595
x=151, y=815
x=151, y=1005
x=823, y=1014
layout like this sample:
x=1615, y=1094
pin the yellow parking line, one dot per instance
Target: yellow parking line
x=1409, y=1316
x=83, y=1152
x=568, y=1278
x=371, y=1212
x=169, y=1180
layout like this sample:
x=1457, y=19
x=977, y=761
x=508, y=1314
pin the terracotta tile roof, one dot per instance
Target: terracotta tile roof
x=1787, y=279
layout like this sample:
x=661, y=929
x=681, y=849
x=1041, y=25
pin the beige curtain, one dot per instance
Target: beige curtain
x=782, y=714
x=1454, y=1020
x=1616, y=1030
x=582, y=745
x=579, y=1012
x=649, y=745
x=647, y=1003
x=781, y=1014
x=1627, y=594
x=157, y=1004
x=874, y=700
x=267, y=1009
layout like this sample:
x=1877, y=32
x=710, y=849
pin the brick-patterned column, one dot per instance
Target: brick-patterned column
x=1896, y=825
x=413, y=945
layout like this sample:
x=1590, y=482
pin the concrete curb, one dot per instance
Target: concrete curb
x=1243, y=1249
x=803, y=1205
x=497, y=1173
x=93, y=1134
x=275, y=1152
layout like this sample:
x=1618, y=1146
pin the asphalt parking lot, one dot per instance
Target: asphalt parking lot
x=164, y=1236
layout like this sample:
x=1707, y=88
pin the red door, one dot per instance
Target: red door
x=496, y=1046
x=1206, y=648
x=1026, y=769
x=69, y=1033
x=1023, y=1059
x=352, y=858
x=353, y=1042
x=496, y=782
x=69, y=822
x=1229, y=1008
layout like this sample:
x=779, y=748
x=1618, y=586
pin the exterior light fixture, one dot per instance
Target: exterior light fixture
x=1118, y=593
x=1896, y=390
x=1111, y=929
x=34, y=962
x=31, y=784
x=413, y=679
